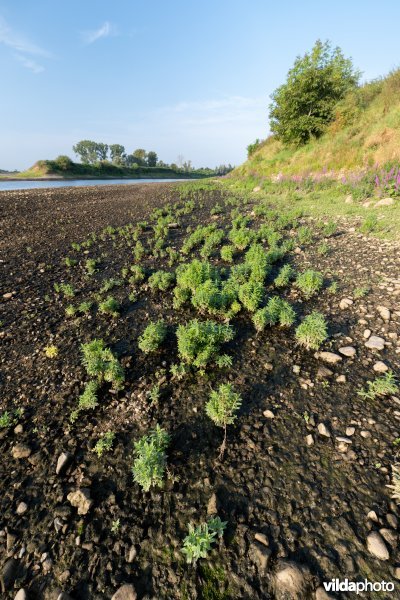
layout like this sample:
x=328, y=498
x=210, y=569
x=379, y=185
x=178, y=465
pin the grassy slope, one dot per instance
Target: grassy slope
x=365, y=132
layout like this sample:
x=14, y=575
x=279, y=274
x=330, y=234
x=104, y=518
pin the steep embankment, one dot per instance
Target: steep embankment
x=365, y=132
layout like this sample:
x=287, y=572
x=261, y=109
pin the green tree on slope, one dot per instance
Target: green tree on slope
x=302, y=107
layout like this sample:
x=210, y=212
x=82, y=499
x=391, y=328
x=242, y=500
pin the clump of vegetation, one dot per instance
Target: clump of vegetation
x=91, y=266
x=65, y=288
x=369, y=224
x=161, y=280
x=284, y=276
x=199, y=342
x=151, y=459
x=110, y=284
x=251, y=294
x=101, y=363
x=51, y=351
x=138, y=274
x=198, y=542
x=222, y=407
x=305, y=235
x=276, y=311
x=153, y=336
x=105, y=443
x=361, y=292
x=70, y=262
x=309, y=283
x=312, y=331
x=5, y=420
x=109, y=306
x=228, y=253
x=386, y=385
x=87, y=400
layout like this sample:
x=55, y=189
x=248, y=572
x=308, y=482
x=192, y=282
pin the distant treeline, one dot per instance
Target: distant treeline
x=98, y=153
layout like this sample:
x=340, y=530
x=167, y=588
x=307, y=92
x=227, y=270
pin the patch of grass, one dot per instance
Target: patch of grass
x=151, y=459
x=197, y=544
x=105, y=443
x=386, y=385
x=161, y=281
x=153, y=336
x=309, y=283
x=199, y=342
x=312, y=331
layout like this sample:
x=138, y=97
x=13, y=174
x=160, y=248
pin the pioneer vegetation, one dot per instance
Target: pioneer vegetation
x=201, y=379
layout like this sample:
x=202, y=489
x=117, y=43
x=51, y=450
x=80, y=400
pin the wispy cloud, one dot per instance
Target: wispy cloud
x=29, y=63
x=22, y=46
x=91, y=36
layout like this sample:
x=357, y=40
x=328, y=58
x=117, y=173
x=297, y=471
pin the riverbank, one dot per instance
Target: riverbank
x=302, y=485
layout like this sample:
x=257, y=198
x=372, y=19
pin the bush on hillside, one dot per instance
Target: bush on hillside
x=302, y=107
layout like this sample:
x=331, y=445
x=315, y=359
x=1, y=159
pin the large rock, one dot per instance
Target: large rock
x=329, y=357
x=62, y=462
x=125, y=592
x=384, y=202
x=375, y=343
x=21, y=451
x=292, y=581
x=259, y=554
x=81, y=500
x=384, y=312
x=376, y=546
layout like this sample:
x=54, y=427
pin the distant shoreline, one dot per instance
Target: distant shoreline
x=95, y=177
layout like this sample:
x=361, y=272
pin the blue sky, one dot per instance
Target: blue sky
x=178, y=77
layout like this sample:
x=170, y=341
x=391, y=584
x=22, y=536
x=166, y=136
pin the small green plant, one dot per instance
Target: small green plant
x=222, y=407
x=87, y=400
x=276, y=311
x=333, y=288
x=228, y=253
x=386, y=385
x=153, y=336
x=115, y=525
x=138, y=274
x=309, y=283
x=251, y=295
x=70, y=310
x=305, y=235
x=5, y=420
x=109, y=284
x=323, y=249
x=109, y=306
x=198, y=542
x=51, y=351
x=154, y=394
x=70, y=262
x=91, y=266
x=65, y=288
x=105, y=443
x=361, y=292
x=329, y=228
x=369, y=224
x=284, y=276
x=101, y=363
x=161, y=281
x=150, y=462
x=312, y=331
x=199, y=342
x=84, y=307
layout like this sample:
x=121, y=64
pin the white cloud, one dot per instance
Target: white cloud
x=22, y=46
x=18, y=42
x=107, y=29
x=29, y=63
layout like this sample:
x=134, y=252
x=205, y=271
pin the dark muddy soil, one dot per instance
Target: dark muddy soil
x=308, y=494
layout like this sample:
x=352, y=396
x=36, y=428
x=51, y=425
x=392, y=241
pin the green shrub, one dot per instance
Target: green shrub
x=161, y=280
x=151, y=459
x=312, y=331
x=251, y=294
x=386, y=385
x=284, y=276
x=223, y=405
x=241, y=237
x=101, y=363
x=153, y=336
x=5, y=420
x=309, y=283
x=305, y=235
x=87, y=400
x=199, y=235
x=109, y=284
x=190, y=276
x=199, y=342
x=211, y=242
x=228, y=253
x=91, y=266
x=276, y=311
x=109, y=306
x=198, y=542
x=105, y=443
x=138, y=274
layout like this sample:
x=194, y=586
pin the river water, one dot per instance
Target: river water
x=40, y=184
